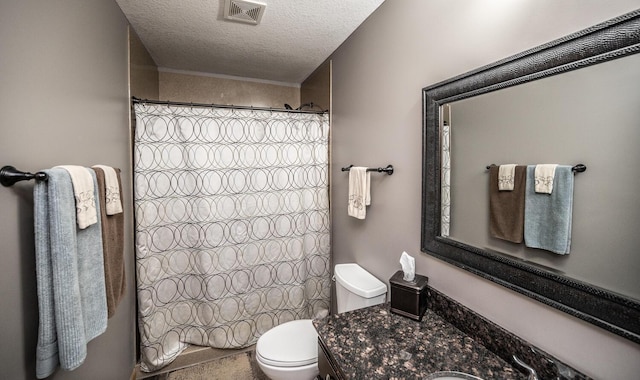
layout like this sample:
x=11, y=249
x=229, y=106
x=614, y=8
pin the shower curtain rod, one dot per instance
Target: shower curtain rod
x=184, y=104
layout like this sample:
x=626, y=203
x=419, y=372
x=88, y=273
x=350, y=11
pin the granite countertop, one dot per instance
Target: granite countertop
x=373, y=343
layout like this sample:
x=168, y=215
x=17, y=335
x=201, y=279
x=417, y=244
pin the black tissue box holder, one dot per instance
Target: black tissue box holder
x=409, y=298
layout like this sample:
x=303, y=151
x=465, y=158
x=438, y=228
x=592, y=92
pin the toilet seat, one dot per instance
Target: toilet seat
x=291, y=344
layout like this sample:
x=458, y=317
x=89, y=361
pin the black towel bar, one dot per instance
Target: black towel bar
x=388, y=169
x=10, y=175
x=579, y=168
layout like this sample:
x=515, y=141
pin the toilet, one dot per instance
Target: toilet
x=290, y=351
x=356, y=288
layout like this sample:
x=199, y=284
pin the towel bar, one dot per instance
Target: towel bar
x=388, y=169
x=579, y=168
x=10, y=175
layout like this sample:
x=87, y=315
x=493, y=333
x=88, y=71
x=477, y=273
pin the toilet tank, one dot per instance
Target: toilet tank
x=356, y=288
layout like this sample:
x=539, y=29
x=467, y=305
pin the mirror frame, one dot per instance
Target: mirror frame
x=610, y=40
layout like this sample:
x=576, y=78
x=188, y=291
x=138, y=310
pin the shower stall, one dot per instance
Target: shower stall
x=231, y=223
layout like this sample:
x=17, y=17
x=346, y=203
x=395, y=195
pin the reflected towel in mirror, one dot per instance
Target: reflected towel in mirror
x=506, y=208
x=547, y=217
x=506, y=174
x=544, y=176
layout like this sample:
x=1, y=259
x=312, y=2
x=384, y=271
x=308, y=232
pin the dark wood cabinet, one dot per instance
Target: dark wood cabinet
x=327, y=366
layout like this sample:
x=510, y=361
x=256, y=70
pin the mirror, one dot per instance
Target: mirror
x=455, y=211
x=587, y=116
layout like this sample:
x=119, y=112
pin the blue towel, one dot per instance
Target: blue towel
x=547, y=217
x=70, y=276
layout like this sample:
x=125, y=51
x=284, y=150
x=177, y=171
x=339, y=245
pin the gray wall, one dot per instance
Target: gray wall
x=316, y=88
x=143, y=73
x=378, y=74
x=200, y=88
x=63, y=100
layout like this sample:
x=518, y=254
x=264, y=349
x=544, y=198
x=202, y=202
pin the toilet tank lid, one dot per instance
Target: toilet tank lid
x=357, y=280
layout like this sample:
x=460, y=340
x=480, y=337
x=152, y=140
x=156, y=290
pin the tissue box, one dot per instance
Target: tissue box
x=409, y=298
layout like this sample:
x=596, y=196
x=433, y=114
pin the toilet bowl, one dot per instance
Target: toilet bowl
x=290, y=351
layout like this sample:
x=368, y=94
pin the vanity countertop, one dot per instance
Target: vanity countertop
x=373, y=343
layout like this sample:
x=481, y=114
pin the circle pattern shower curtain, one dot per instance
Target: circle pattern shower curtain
x=232, y=225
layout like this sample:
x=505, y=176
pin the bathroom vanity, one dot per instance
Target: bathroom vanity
x=374, y=343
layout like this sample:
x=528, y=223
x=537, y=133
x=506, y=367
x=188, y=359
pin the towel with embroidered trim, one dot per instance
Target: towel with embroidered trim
x=359, y=192
x=84, y=193
x=112, y=189
x=506, y=174
x=544, y=178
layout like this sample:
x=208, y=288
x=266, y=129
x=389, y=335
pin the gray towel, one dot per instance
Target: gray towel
x=547, y=217
x=112, y=241
x=70, y=276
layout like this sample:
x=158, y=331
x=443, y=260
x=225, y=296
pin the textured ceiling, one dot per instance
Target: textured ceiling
x=293, y=38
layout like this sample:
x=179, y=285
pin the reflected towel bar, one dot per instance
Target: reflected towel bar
x=579, y=168
x=10, y=175
x=388, y=169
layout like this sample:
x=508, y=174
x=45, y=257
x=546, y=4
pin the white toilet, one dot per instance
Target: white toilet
x=356, y=288
x=290, y=351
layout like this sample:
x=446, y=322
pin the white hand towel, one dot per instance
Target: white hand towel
x=506, y=174
x=83, y=190
x=544, y=175
x=367, y=192
x=359, y=192
x=114, y=203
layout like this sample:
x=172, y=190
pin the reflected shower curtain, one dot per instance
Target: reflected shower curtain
x=232, y=225
x=445, y=181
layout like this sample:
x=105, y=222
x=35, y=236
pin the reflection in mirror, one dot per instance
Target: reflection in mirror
x=570, y=101
x=445, y=192
x=589, y=116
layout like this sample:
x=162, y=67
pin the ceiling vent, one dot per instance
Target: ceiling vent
x=249, y=12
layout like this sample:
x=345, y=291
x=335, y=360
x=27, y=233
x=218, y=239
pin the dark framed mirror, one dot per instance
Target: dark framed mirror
x=617, y=311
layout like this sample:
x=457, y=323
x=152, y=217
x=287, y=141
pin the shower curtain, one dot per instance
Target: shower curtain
x=232, y=225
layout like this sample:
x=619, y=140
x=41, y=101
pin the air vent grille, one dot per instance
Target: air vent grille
x=249, y=12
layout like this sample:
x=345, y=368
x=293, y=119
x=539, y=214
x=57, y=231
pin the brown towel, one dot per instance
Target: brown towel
x=113, y=246
x=506, y=208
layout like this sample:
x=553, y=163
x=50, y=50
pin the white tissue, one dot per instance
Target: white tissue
x=408, y=264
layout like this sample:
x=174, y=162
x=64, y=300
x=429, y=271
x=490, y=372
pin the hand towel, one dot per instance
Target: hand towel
x=547, y=217
x=84, y=194
x=506, y=208
x=112, y=241
x=70, y=277
x=359, y=192
x=112, y=189
x=544, y=177
x=506, y=174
